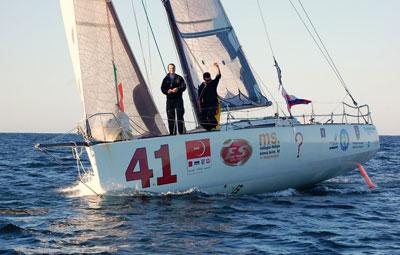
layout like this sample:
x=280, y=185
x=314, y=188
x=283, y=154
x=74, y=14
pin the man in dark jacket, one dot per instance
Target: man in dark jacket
x=173, y=86
x=208, y=98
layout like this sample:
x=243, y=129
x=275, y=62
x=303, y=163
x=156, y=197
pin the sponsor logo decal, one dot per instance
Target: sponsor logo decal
x=298, y=138
x=357, y=131
x=198, y=155
x=269, y=146
x=334, y=145
x=236, y=152
x=323, y=134
x=358, y=144
x=344, y=140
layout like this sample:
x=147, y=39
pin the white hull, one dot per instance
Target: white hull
x=251, y=160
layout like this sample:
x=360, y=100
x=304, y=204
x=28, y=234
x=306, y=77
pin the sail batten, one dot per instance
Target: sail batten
x=206, y=33
x=207, y=37
x=193, y=21
x=107, y=68
x=91, y=24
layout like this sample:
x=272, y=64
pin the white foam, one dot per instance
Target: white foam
x=341, y=180
x=185, y=192
x=285, y=193
x=90, y=187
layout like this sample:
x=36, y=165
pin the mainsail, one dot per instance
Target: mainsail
x=106, y=69
x=205, y=36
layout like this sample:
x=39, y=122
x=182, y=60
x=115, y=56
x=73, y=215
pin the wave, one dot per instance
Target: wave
x=319, y=234
x=261, y=227
x=11, y=229
x=23, y=212
x=331, y=206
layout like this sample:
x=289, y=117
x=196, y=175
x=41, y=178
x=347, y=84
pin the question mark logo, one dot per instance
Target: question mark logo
x=299, y=141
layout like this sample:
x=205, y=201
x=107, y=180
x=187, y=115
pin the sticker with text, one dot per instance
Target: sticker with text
x=269, y=146
x=198, y=155
x=236, y=152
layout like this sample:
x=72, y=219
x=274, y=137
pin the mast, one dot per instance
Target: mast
x=182, y=59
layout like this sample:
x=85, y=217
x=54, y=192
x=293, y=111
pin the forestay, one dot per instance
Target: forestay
x=207, y=37
x=96, y=41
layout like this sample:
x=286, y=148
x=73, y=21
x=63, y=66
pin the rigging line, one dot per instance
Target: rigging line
x=273, y=55
x=109, y=32
x=338, y=104
x=320, y=40
x=324, y=54
x=186, y=43
x=149, y=45
x=278, y=107
x=171, y=37
x=141, y=46
x=193, y=28
x=60, y=136
x=112, y=51
x=263, y=87
x=194, y=57
x=327, y=52
x=154, y=37
x=87, y=186
x=191, y=53
x=265, y=28
x=178, y=59
x=315, y=41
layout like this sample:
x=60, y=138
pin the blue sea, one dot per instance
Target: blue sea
x=43, y=212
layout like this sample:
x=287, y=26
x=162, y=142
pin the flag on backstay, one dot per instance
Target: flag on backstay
x=279, y=72
x=292, y=100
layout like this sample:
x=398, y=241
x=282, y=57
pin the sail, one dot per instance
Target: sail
x=107, y=73
x=206, y=37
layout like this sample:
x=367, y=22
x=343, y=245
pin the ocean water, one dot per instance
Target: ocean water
x=43, y=211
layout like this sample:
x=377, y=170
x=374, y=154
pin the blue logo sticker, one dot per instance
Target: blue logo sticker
x=344, y=140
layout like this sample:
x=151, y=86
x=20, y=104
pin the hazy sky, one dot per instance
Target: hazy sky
x=38, y=92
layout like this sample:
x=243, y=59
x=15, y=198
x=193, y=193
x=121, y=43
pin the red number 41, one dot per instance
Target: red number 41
x=144, y=174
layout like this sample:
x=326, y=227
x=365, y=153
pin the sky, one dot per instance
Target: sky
x=38, y=91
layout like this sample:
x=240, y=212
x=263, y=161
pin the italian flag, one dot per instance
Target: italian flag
x=121, y=97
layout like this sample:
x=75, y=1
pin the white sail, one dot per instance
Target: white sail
x=68, y=13
x=97, y=45
x=208, y=37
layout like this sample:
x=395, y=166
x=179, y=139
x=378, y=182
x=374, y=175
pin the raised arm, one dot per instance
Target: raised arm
x=218, y=76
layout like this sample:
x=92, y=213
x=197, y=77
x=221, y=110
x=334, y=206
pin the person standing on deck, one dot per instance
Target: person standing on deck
x=173, y=86
x=208, y=99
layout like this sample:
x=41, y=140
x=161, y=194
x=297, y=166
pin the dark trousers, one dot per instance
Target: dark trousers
x=172, y=121
x=208, y=120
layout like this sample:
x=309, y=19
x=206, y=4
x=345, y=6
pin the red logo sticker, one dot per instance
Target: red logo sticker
x=236, y=152
x=198, y=154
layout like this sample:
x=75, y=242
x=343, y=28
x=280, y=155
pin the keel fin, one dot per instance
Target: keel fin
x=364, y=174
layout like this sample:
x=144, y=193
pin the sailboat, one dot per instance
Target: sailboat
x=125, y=136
